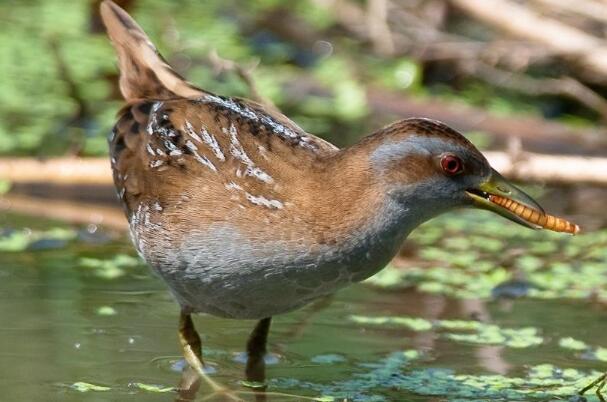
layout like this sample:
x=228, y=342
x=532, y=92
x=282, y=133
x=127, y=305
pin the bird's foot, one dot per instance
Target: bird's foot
x=599, y=383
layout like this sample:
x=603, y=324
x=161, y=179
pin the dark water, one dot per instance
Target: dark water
x=74, y=329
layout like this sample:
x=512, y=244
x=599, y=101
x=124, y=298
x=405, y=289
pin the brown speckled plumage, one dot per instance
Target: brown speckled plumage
x=245, y=215
x=192, y=168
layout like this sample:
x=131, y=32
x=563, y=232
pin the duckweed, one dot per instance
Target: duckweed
x=110, y=268
x=573, y=344
x=474, y=331
x=542, y=382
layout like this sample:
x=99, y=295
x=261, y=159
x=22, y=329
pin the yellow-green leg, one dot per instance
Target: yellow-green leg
x=192, y=352
x=599, y=383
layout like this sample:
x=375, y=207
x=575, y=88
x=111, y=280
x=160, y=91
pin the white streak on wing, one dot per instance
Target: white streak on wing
x=170, y=146
x=263, y=151
x=261, y=200
x=212, y=143
x=156, y=163
x=278, y=128
x=202, y=159
x=230, y=104
x=150, y=150
x=233, y=186
x=157, y=206
x=207, y=138
x=239, y=153
x=153, y=120
x=190, y=130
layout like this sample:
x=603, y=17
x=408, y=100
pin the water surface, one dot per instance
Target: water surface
x=83, y=320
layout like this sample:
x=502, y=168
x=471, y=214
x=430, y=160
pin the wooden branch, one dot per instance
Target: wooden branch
x=522, y=22
x=379, y=31
x=595, y=10
x=71, y=212
x=67, y=170
x=555, y=169
x=520, y=165
x=564, y=86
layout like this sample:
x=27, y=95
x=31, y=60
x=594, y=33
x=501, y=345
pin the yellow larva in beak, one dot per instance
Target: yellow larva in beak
x=543, y=220
x=496, y=194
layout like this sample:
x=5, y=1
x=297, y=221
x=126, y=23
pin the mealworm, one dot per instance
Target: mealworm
x=546, y=221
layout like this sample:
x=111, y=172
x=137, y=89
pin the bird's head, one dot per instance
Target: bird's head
x=430, y=168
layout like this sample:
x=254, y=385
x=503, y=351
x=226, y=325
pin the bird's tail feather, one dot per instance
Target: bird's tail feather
x=144, y=74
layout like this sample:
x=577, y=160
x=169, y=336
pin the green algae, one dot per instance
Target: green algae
x=106, y=311
x=474, y=331
x=541, y=382
x=21, y=240
x=494, y=335
x=111, y=268
x=573, y=344
x=415, y=324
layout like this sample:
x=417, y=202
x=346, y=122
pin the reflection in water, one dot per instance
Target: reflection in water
x=188, y=386
x=256, y=354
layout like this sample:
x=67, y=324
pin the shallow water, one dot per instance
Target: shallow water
x=83, y=320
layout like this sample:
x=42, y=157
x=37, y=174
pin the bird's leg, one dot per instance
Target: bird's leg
x=255, y=370
x=599, y=383
x=192, y=351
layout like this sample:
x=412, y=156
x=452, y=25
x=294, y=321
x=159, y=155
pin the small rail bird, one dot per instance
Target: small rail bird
x=245, y=215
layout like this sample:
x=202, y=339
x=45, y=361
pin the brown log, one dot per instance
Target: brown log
x=554, y=169
x=68, y=211
x=68, y=170
x=522, y=166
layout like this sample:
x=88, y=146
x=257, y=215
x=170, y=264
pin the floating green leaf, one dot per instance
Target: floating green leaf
x=573, y=344
x=86, y=387
x=106, y=311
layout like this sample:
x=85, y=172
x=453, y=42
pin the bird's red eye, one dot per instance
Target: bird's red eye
x=451, y=164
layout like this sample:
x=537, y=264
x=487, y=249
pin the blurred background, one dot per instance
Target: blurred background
x=526, y=81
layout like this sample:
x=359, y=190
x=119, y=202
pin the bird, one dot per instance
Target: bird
x=244, y=215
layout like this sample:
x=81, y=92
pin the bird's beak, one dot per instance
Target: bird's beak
x=498, y=195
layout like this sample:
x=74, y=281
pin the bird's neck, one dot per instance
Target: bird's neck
x=359, y=215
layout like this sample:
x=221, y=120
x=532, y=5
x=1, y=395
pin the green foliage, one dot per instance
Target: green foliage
x=40, y=115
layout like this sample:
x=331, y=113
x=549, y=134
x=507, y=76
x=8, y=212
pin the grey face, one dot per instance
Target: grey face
x=431, y=172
